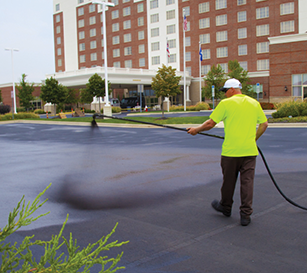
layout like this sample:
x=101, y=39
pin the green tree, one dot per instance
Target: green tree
x=94, y=88
x=166, y=83
x=53, y=92
x=237, y=72
x=72, y=96
x=25, y=91
x=216, y=77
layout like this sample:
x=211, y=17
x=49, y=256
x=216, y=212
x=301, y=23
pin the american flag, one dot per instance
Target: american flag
x=185, y=23
x=167, y=49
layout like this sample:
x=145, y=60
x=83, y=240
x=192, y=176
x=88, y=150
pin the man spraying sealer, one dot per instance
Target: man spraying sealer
x=240, y=114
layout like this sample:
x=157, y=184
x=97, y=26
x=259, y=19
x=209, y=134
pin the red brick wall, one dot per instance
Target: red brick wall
x=56, y=46
x=286, y=59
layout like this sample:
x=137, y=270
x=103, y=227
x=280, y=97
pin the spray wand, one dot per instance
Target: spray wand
x=101, y=116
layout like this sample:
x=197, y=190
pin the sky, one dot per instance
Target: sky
x=28, y=27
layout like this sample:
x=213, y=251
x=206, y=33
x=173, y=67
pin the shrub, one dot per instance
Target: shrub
x=89, y=111
x=19, y=258
x=202, y=106
x=267, y=105
x=176, y=108
x=4, y=109
x=290, y=108
x=21, y=109
x=116, y=109
x=39, y=111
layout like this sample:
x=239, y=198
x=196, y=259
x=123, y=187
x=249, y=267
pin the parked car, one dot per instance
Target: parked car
x=132, y=102
x=115, y=102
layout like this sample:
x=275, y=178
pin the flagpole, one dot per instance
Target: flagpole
x=200, y=98
x=184, y=77
x=166, y=52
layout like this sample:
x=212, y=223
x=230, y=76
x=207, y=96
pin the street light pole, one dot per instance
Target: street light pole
x=14, y=93
x=104, y=4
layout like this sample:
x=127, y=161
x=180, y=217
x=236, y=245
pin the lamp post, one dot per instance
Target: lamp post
x=14, y=94
x=104, y=4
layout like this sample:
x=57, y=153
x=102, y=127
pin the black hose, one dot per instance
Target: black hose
x=94, y=124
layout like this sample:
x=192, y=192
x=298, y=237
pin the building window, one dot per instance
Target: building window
x=126, y=1
x=141, y=21
x=155, y=60
x=206, y=54
x=287, y=26
x=242, y=33
x=127, y=24
x=186, y=11
x=155, y=32
x=81, y=35
x=128, y=64
x=92, y=32
x=203, y=7
x=205, y=69
x=115, y=27
x=204, y=23
x=127, y=38
x=171, y=29
x=155, y=46
x=102, y=43
x=187, y=41
x=154, y=4
x=93, y=56
x=172, y=58
x=260, y=0
x=93, y=44
x=263, y=30
x=170, y=14
x=221, y=36
x=80, y=11
x=224, y=67
x=188, y=26
x=58, y=40
x=92, y=20
x=189, y=70
x=82, y=47
x=263, y=47
x=242, y=50
x=81, y=23
x=220, y=4
x=204, y=38
x=57, y=18
x=92, y=8
x=115, y=14
x=262, y=13
x=59, y=51
x=80, y=1
x=287, y=8
x=58, y=29
x=115, y=2
x=172, y=43
x=128, y=51
x=243, y=65
x=241, y=15
x=169, y=2
x=116, y=64
x=142, y=62
x=59, y=62
x=222, y=52
x=116, y=53
x=141, y=35
x=188, y=57
x=140, y=7
x=221, y=20
x=299, y=83
x=241, y=2
x=154, y=18
x=82, y=58
x=263, y=64
x=57, y=7
x=141, y=49
x=126, y=11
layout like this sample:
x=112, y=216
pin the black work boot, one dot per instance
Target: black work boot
x=218, y=207
x=245, y=219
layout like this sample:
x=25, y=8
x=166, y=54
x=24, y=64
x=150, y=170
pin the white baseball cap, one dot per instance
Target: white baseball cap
x=231, y=83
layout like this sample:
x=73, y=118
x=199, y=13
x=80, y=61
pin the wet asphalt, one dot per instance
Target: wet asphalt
x=157, y=184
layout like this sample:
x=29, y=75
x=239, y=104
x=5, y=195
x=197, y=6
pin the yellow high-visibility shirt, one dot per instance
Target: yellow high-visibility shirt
x=240, y=114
